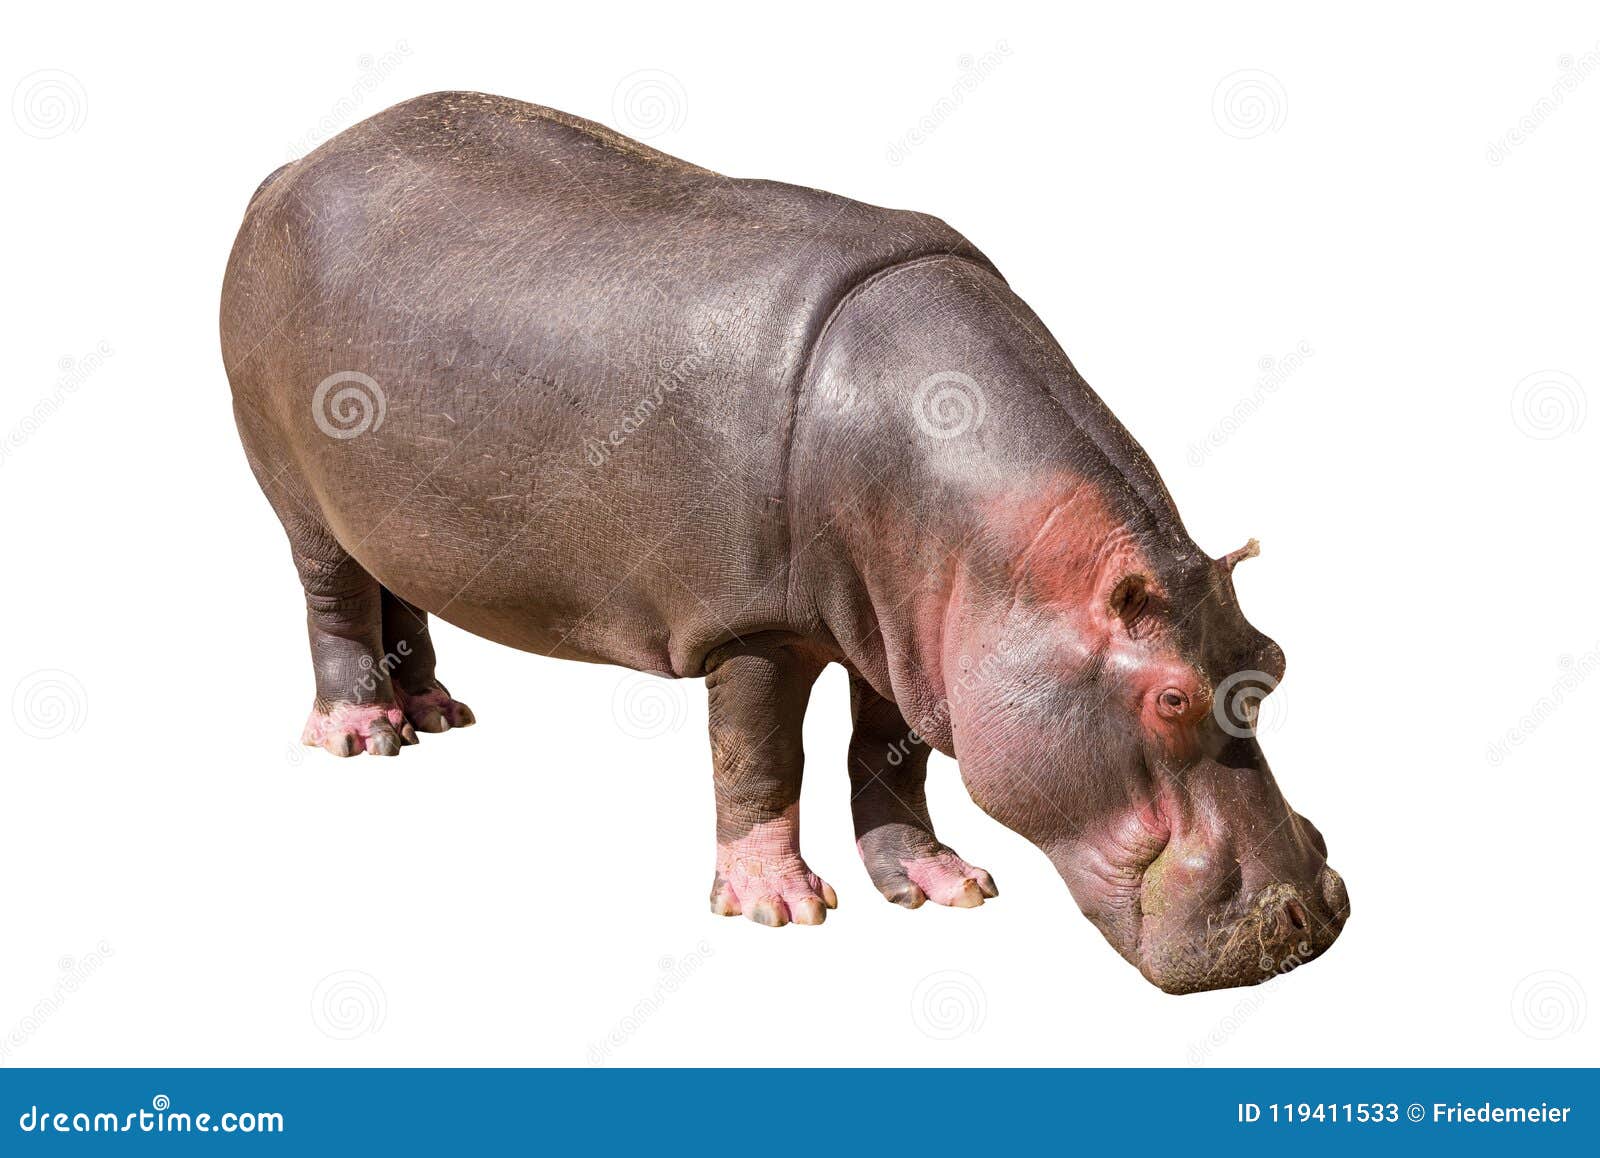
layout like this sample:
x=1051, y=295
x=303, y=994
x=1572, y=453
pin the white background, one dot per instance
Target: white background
x=184, y=884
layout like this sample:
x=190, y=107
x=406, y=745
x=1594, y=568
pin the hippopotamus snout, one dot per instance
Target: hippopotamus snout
x=1216, y=915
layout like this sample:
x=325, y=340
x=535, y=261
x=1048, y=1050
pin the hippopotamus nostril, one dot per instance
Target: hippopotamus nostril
x=1296, y=913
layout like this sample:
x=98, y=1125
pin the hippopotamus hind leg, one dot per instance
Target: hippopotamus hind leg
x=356, y=708
x=408, y=655
x=370, y=650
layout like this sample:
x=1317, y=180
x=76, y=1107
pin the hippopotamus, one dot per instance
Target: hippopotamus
x=501, y=365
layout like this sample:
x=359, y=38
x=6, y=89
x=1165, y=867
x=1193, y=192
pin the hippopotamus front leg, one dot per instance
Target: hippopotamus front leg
x=888, y=767
x=757, y=701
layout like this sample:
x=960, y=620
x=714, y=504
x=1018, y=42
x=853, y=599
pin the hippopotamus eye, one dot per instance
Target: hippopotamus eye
x=1130, y=599
x=1172, y=703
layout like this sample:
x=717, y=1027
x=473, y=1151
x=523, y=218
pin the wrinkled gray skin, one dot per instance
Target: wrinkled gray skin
x=621, y=409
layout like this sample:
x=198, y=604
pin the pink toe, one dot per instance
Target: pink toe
x=949, y=880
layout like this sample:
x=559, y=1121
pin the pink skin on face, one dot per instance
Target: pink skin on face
x=1075, y=557
x=762, y=876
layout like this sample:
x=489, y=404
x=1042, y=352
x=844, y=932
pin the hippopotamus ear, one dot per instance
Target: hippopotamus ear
x=1233, y=558
x=1130, y=600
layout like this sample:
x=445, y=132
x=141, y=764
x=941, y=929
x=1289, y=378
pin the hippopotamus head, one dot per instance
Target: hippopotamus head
x=1103, y=687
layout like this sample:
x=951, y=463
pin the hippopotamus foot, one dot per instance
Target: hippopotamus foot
x=764, y=879
x=894, y=834
x=349, y=729
x=909, y=866
x=433, y=710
